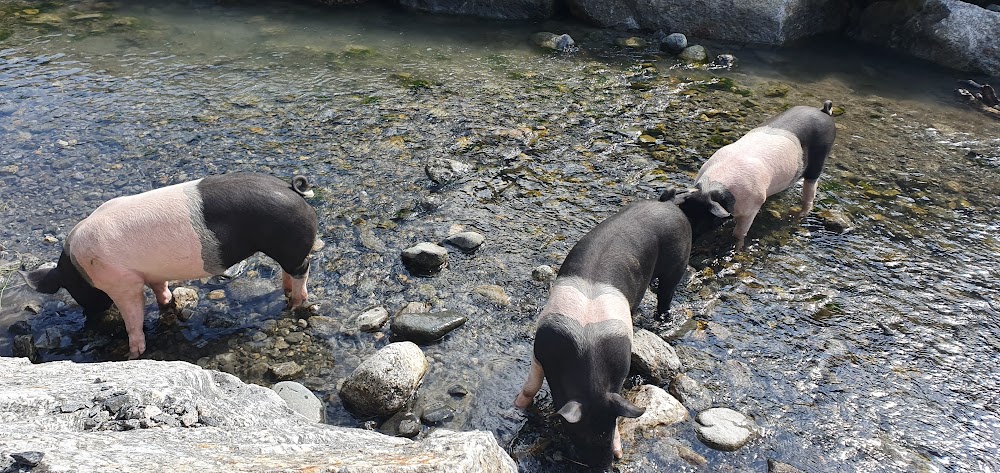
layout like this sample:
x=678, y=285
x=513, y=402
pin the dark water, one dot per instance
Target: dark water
x=870, y=350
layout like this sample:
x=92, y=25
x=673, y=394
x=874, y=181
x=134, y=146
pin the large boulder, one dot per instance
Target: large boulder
x=98, y=417
x=499, y=9
x=949, y=32
x=745, y=21
x=386, y=381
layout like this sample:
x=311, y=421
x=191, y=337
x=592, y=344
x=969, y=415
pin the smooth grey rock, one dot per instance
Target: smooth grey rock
x=445, y=171
x=661, y=410
x=497, y=9
x=29, y=459
x=372, y=319
x=250, y=289
x=251, y=428
x=952, y=33
x=458, y=391
x=386, y=381
x=724, y=429
x=301, y=400
x=745, y=21
x=654, y=357
x=409, y=427
x=492, y=293
x=427, y=326
x=555, y=42
x=674, y=43
x=425, y=258
x=694, y=53
x=466, y=241
x=690, y=393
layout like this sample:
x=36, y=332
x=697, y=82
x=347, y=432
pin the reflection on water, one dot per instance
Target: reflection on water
x=869, y=350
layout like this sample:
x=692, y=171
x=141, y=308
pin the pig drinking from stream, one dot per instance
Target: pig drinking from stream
x=184, y=231
x=739, y=177
x=583, y=343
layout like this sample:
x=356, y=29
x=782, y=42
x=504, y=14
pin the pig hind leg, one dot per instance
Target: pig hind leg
x=665, y=294
x=128, y=294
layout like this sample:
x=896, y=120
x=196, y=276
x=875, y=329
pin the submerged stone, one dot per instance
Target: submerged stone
x=425, y=258
x=724, y=429
x=466, y=241
x=426, y=327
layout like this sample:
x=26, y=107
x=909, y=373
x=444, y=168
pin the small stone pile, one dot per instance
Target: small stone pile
x=117, y=410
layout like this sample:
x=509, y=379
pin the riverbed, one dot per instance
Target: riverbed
x=866, y=348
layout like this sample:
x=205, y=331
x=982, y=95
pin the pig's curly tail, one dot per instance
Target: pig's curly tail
x=301, y=185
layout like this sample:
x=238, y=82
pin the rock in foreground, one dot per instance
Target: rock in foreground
x=383, y=383
x=240, y=427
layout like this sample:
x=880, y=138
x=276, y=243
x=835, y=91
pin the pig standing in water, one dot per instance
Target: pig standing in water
x=184, y=231
x=739, y=177
x=583, y=344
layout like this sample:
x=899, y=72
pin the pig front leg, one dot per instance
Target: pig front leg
x=616, y=444
x=531, y=386
x=295, y=289
x=744, y=215
x=808, y=195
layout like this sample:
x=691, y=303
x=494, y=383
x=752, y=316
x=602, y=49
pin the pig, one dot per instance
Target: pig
x=583, y=342
x=739, y=177
x=183, y=231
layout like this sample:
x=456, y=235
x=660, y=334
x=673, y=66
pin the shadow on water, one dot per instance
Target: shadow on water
x=858, y=347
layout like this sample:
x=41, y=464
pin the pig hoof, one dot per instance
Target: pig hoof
x=522, y=402
x=171, y=305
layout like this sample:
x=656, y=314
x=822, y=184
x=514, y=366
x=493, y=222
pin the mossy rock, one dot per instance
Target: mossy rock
x=777, y=89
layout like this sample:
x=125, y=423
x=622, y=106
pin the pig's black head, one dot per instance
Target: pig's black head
x=590, y=425
x=65, y=274
x=707, y=206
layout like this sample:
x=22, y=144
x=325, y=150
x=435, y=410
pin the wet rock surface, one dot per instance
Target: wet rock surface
x=229, y=416
x=654, y=357
x=425, y=258
x=301, y=400
x=662, y=410
x=466, y=241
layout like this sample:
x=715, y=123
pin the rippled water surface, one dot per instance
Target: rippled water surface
x=869, y=350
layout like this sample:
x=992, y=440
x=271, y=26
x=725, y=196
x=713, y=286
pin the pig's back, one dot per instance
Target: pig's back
x=766, y=160
x=623, y=250
x=152, y=233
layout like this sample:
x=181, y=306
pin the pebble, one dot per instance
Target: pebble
x=426, y=327
x=186, y=297
x=445, y=171
x=493, y=293
x=555, y=42
x=286, y=371
x=50, y=239
x=724, y=429
x=295, y=337
x=631, y=42
x=217, y=294
x=466, y=241
x=372, y=319
x=437, y=414
x=425, y=258
x=323, y=326
x=543, y=273
x=774, y=466
x=724, y=61
x=409, y=426
x=458, y=391
x=694, y=53
x=835, y=221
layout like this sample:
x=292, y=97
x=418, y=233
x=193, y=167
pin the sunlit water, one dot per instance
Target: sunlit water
x=871, y=350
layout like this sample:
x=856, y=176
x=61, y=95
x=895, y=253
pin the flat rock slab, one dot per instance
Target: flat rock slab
x=466, y=241
x=241, y=427
x=724, y=429
x=301, y=400
x=427, y=326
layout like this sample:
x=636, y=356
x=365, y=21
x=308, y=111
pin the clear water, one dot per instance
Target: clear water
x=871, y=350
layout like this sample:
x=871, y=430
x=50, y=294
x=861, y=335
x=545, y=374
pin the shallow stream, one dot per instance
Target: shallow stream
x=871, y=349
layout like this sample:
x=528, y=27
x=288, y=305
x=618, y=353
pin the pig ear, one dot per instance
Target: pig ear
x=45, y=281
x=668, y=194
x=680, y=197
x=571, y=412
x=718, y=211
x=624, y=408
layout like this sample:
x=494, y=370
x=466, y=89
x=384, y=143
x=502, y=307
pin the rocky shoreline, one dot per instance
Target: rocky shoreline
x=174, y=416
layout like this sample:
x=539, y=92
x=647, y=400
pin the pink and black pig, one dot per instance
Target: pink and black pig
x=583, y=342
x=739, y=177
x=179, y=232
